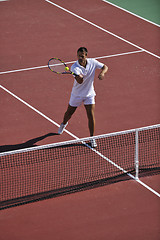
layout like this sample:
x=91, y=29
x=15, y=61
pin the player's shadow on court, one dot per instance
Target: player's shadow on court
x=28, y=144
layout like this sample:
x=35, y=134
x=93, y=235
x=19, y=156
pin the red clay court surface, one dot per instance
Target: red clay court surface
x=128, y=97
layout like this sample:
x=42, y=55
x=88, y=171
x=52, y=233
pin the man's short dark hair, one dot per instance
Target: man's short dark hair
x=82, y=49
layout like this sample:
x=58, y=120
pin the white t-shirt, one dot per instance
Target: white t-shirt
x=86, y=89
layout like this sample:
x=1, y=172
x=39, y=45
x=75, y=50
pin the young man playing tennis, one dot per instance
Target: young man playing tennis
x=83, y=89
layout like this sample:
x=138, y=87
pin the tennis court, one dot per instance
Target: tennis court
x=33, y=101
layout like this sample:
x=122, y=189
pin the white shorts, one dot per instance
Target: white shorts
x=77, y=101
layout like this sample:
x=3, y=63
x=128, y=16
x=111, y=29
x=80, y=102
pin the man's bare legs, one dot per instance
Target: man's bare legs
x=91, y=118
x=91, y=122
x=90, y=114
x=68, y=114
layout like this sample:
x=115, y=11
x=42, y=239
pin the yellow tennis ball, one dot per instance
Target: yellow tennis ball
x=66, y=68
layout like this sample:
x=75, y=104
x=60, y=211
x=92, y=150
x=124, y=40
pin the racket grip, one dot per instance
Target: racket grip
x=74, y=74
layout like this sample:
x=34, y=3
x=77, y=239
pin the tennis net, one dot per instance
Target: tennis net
x=51, y=170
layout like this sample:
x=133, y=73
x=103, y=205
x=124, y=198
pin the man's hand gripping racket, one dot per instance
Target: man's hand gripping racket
x=58, y=66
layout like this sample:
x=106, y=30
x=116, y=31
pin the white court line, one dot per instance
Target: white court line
x=104, y=30
x=97, y=152
x=125, y=10
x=40, y=67
x=149, y=188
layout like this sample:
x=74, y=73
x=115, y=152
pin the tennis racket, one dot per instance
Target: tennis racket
x=56, y=65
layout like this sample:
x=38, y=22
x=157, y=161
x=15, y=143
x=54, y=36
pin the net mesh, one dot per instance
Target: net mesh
x=149, y=149
x=57, y=169
x=56, y=65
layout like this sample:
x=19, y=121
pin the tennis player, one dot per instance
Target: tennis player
x=83, y=89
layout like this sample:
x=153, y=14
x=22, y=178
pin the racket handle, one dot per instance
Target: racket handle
x=74, y=74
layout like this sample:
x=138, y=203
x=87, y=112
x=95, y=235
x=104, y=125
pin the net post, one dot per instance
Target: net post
x=136, y=155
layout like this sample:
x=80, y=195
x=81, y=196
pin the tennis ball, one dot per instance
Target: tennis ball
x=66, y=68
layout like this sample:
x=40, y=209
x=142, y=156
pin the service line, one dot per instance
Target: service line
x=70, y=62
x=104, y=30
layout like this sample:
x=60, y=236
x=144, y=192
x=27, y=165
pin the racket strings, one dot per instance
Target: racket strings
x=56, y=65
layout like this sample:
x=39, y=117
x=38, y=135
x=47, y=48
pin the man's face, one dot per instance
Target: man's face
x=82, y=58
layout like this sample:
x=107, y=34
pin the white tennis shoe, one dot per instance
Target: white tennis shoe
x=62, y=127
x=93, y=143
